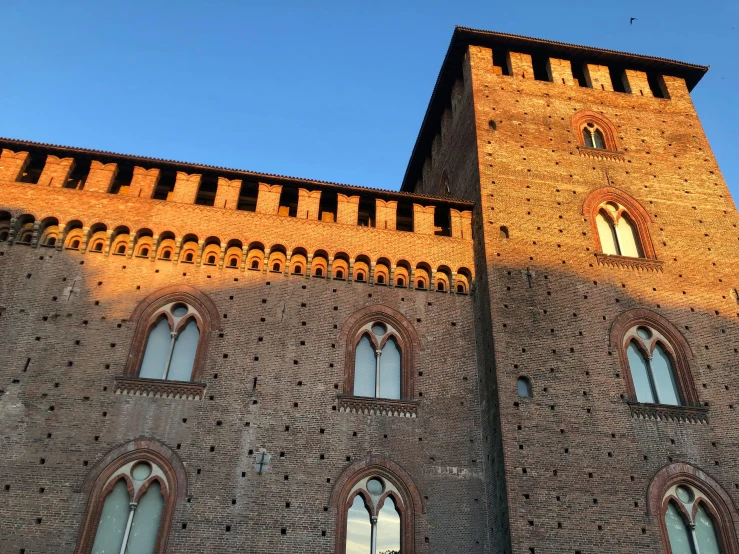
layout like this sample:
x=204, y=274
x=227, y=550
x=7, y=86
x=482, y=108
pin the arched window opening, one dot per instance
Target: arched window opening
x=651, y=367
x=3, y=236
x=690, y=527
x=339, y=274
x=380, y=279
x=98, y=246
x=121, y=249
x=51, y=241
x=593, y=136
x=255, y=264
x=440, y=286
x=318, y=272
x=211, y=260
x=171, y=344
x=189, y=257
x=503, y=232
x=360, y=276
x=298, y=270
x=618, y=234
x=524, y=388
x=166, y=254
x=420, y=284
x=377, y=363
x=373, y=522
x=144, y=252
x=25, y=237
x=400, y=282
x=75, y=244
x=233, y=262
x=132, y=500
x=276, y=267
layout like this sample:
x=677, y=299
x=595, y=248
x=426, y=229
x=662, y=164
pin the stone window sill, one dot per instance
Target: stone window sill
x=378, y=406
x=625, y=262
x=601, y=153
x=135, y=386
x=663, y=412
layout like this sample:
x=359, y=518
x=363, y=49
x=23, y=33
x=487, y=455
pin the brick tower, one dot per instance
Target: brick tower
x=528, y=349
x=600, y=216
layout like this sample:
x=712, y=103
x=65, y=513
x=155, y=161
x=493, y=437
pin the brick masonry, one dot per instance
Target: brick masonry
x=566, y=471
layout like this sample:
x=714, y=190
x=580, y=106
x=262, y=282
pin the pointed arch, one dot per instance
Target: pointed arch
x=374, y=466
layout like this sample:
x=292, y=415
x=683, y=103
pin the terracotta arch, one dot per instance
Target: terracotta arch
x=725, y=513
x=406, y=336
x=583, y=117
x=380, y=466
x=679, y=348
x=636, y=212
x=143, y=314
x=174, y=491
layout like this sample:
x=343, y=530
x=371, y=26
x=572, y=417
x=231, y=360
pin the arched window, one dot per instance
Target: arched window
x=696, y=515
x=166, y=254
x=360, y=276
x=503, y=232
x=524, y=387
x=255, y=264
x=620, y=227
x=121, y=249
x=655, y=359
x=189, y=257
x=171, y=335
x=651, y=367
x=380, y=279
x=400, y=282
x=3, y=236
x=298, y=270
x=318, y=272
x=440, y=286
x=51, y=241
x=211, y=260
x=75, y=244
x=618, y=235
x=378, y=367
x=376, y=505
x=233, y=261
x=144, y=252
x=420, y=284
x=98, y=246
x=593, y=136
x=339, y=274
x=171, y=344
x=132, y=496
x=377, y=363
x=276, y=267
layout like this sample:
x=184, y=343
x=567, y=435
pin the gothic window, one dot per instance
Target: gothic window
x=618, y=235
x=380, y=353
x=654, y=356
x=620, y=227
x=171, y=336
x=524, y=387
x=373, y=521
x=377, y=362
x=376, y=506
x=593, y=136
x=651, y=366
x=131, y=501
x=696, y=515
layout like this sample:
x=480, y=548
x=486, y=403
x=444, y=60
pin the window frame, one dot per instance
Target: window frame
x=147, y=314
x=637, y=215
x=719, y=506
x=580, y=122
x=409, y=507
x=97, y=487
x=677, y=349
x=407, y=340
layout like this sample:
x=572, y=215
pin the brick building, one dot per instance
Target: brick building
x=528, y=349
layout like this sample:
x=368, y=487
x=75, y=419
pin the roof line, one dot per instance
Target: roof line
x=244, y=172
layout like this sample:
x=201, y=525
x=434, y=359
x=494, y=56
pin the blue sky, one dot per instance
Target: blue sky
x=326, y=90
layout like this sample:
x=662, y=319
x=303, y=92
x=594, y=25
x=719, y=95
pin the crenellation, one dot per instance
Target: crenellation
x=635, y=82
x=101, y=176
x=597, y=77
x=186, y=188
x=520, y=65
x=56, y=171
x=560, y=71
x=12, y=164
x=227, y=193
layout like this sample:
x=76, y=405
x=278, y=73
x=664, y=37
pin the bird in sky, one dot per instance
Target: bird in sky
x=631, y=21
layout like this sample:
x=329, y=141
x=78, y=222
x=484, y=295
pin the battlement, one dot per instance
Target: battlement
x=516, y=58
x=90, y=171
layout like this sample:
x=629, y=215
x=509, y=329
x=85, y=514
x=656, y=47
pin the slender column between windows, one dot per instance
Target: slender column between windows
x=173, y=336
x=378, y=353
x=373, y=540
x=128, y=527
